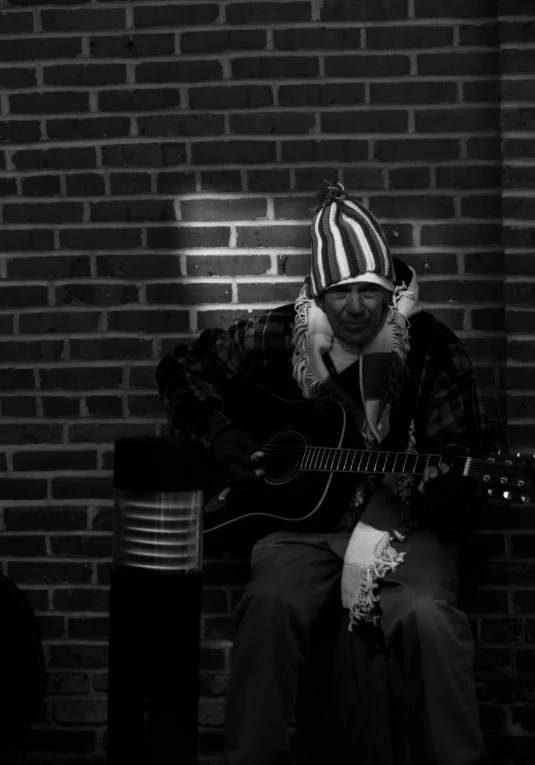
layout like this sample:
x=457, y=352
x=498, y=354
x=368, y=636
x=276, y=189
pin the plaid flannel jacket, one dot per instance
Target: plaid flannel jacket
x=189, y=380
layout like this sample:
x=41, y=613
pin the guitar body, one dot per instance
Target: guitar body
x=287, y=498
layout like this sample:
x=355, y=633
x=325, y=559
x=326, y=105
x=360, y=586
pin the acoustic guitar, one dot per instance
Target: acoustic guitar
x=311, y=469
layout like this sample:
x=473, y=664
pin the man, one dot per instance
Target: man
x=356, y=333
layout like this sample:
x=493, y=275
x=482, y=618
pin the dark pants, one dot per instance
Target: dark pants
x=294, y=581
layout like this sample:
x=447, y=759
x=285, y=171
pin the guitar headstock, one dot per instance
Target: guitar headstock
x=502, y=474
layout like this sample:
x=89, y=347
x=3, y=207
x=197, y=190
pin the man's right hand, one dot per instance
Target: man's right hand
x=237, y=456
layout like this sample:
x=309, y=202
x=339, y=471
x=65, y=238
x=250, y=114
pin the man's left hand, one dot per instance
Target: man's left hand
x=430, y=473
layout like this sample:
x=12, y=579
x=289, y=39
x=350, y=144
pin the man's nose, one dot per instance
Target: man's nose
x=354, y=303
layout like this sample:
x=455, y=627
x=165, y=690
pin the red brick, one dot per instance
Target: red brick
x=516, y=90
x=226, y=40
x=41, y=185
x=142, y=376
x=520, y=208
x=519, y=293
x=516, y=31
x=48, y=267
x=40, y=48
x=517, y=61
x=412, y=207
x=145, y=406
x=271, y=123
x=212, y=658
x=413, y=93
x=68, y=683
x=461, y=235
x=130, y=183
x=175, y=15
x=293, y=265
x=85, y=74
x=50, y=573
x=17, y=77
x=223, y=318
x=408, y=37
x=223, y=152
x=8, y=187
x=85, y=184
x=520, y=263
x=49, y=103
x=147, y=321
x=60, y=406
x=519, y=177
x=188, y=294
x=83, y=546
x=71, y=599
x=17, y=406
x=105, y=434
x=19, y=131
x=145, y=154
x=51, y=212
x=416, y=149
x=468, y=120
x=493, y=348
x=365, y=121
x=30, y=351
x=57, y=159
x=62, y=322
x=19, y=379
x=22, y=544
x=275, y=67
x=80, y=711
x=322, y=38
x=44, y=461
x=132, y=45
x=488, y=318
x=179, y=124
x=458, y=63
x=31, y=433
x=273, y=236
x=27, y=296
x=483, y=206
x=96, y=127
x=63, y=741
x=218, y=180
x=231, y=97
x=144, y=210
x=313, y=178
x=398, y=234
x=267, y=13
x=81, y=378
x=55, y=518
x=96, y=294
x=179, y=71
x=481, y=34
x=366, y=10
x=484, y=262
x=484, y=148
x=14, y=22
x=138, y=100
x=410, y=178
x=324, y=150
x=99, y=238
x=469, y=176
x=315, y=94
x=268, y=292
x=104, y=406
x=455, y=8
x=110, y=348
x=482, y=91
x=521, y=436
x=300, y=208
x=223, y=209
x=363, y=65
x=138, y=266
x=78, y=655
x=520, y=407
x=465, y=291
x=519, y=236
x=61, y=20
x=163, y=238
x=226, y=265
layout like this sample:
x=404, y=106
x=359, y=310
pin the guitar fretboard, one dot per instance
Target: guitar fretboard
x=353, y=461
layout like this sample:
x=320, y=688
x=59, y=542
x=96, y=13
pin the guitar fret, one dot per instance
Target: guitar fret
x=348, y=453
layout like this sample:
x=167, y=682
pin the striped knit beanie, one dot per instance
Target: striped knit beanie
x=348, y=244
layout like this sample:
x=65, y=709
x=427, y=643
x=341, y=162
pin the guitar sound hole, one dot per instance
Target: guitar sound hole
x=283, y=451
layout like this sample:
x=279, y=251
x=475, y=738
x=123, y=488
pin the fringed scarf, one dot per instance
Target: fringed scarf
x=382, y=374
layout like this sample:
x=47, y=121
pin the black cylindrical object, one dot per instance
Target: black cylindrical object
x=155, y=596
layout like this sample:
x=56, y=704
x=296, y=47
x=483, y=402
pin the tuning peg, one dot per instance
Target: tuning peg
x=507, y=495
x=490, y=492
x=503, y=479
x=524, y=498
x=520, y=484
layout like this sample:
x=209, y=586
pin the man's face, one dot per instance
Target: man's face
x=355, y=311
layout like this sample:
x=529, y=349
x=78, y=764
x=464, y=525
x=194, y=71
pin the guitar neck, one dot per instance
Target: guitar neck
x=315, y=458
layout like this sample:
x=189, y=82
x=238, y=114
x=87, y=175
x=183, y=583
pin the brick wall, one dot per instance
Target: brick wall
x=158, y=163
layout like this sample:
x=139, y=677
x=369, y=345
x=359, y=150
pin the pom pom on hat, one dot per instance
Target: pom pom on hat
x=348, y=244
